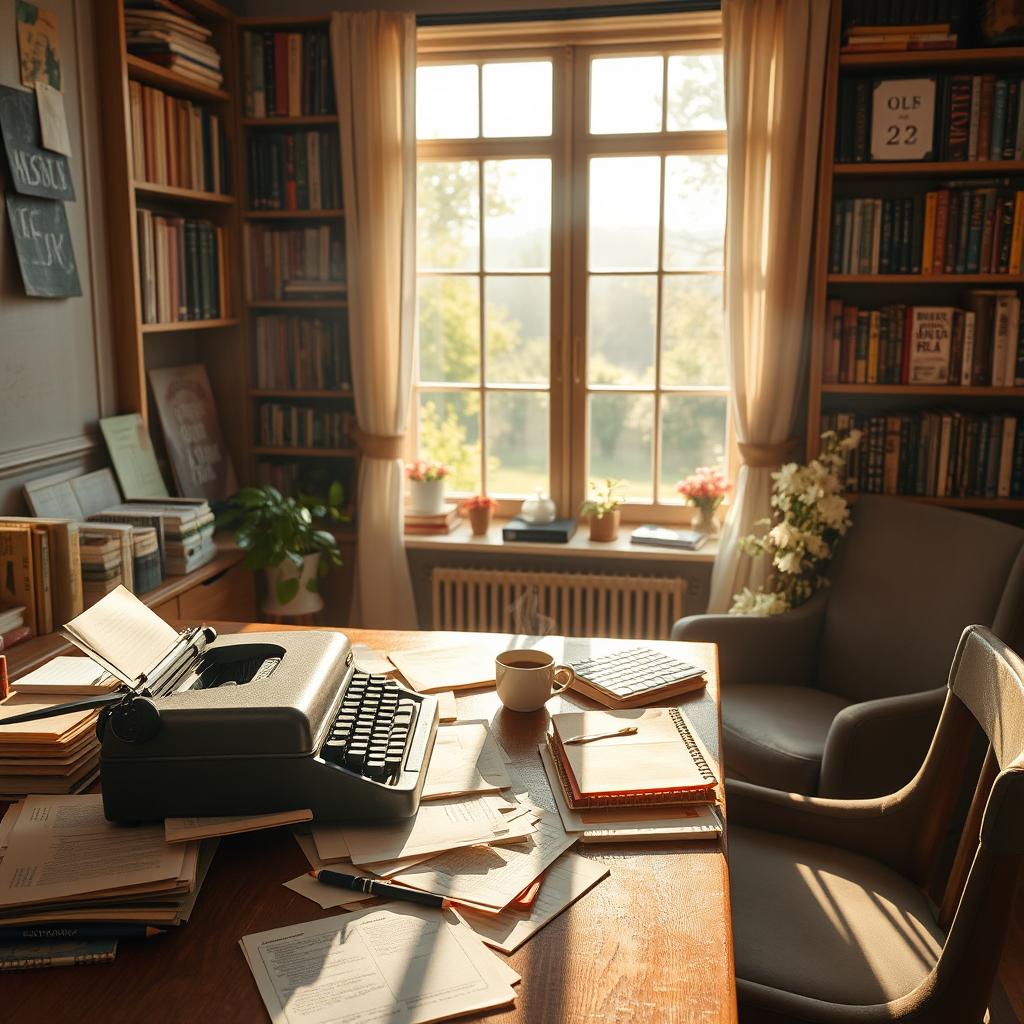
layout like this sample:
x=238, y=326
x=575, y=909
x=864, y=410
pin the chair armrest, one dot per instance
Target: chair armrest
x=780, y=649
x=877, y=746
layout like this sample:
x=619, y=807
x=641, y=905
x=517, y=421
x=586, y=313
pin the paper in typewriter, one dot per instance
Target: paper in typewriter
x=121, y=632
x=400, y=964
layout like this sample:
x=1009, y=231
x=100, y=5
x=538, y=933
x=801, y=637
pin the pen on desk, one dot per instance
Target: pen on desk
x=71, y=931
x=628, y=730
x=374, y=888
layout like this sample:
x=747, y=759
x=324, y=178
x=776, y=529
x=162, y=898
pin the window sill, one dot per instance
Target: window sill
x=460, y=539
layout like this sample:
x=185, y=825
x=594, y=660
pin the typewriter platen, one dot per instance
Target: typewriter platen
x=260, y=722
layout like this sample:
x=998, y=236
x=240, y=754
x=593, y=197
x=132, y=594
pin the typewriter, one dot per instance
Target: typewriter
x=260, y=722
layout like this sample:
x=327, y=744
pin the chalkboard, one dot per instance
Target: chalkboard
x=43, y=244
x=34, y=171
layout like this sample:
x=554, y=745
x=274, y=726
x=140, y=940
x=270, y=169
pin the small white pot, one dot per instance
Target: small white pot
x=427, y=497
x=304, y=602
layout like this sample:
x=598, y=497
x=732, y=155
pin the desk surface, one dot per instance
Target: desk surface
x=652, y=943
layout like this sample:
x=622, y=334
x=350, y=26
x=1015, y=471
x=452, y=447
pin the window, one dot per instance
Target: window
x=571, y=209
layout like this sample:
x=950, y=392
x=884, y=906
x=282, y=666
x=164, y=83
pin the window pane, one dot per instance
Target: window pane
x=517, y=220
x=696, y=93
x=621, y=442
x=517, y=323
x=448, y=216
x=623, y=224
x=692, y=435
x=517, y=99
x=625, y=95
x=692, y=330
x=447, y=102
x=621, y=329
x=450, y=433
x=694, y=212
x=449, y=311
x=517, y=442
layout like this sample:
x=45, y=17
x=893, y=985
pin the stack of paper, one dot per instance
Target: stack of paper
x=65, y=862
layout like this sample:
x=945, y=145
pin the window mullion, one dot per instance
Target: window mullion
x=481, y=388
x=657, y=439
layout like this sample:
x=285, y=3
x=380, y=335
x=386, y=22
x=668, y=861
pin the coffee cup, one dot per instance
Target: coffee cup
x=527, y=679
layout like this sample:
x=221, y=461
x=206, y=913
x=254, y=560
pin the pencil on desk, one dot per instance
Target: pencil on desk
x=374, y=888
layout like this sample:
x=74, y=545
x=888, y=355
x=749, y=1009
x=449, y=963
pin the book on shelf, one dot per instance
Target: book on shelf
x=173, y=39
x=425, y=524
x=312, y=289
x=558, y=531
x=176, y=142
x=55, y=573
x=284, y=425
x=301, y=352
x=295, y=170
x=182, y=271
x=960, y=228
x=942, y=453
x=882, y=25
x=979, y=345
x=279, y=257
x=287, y=74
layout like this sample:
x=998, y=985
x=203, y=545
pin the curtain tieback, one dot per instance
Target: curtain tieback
x=769, y=455
x=379, y=446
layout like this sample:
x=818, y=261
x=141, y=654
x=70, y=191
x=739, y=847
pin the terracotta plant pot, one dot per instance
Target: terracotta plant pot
x=480, y=520
x=606, y=527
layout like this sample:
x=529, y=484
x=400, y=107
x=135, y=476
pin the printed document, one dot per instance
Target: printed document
x=448, y=668
x=465, y=760
x=179, y=830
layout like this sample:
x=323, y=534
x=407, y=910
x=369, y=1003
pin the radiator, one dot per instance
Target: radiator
x=566, y=603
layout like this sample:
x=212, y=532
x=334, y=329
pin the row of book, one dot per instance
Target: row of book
x=977, y=117
x=182, y=271
x=287, y=74
x=947, y=453
x=951, y=230
x=289, y=263
x=859, y=14
x=176, y=142
x=297, y=426
x=303, y=352
x=980, y=345
x=167, y=34
x=299, y=170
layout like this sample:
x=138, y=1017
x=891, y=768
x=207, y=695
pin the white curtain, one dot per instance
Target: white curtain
x=775, y=52
x=374, y=56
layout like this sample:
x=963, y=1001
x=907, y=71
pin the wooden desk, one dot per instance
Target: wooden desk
x=650, y=944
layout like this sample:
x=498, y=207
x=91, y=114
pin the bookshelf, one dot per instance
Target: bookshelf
x=179, y=167
x=919, y=407
x=289, y=180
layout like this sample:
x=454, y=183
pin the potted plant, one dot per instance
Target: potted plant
x=281, y=536
x=426, y=487
x=602, y=507
x=479, y=508
x=705, y=490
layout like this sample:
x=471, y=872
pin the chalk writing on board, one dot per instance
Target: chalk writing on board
x=34, y=171
x=42, y=241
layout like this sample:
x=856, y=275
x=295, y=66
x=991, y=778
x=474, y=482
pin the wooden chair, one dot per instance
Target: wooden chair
x=831, y=920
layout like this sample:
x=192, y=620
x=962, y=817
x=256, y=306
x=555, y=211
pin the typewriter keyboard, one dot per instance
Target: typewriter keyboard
x=373, y=728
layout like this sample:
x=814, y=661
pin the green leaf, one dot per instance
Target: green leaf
x=312, y=586
x=295, y=559
x=336, y=495
x=287, y=590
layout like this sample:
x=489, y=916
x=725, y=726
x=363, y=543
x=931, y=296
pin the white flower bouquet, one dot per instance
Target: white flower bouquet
x=809, y=515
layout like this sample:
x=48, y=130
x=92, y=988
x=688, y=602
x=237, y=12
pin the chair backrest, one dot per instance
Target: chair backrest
x=906, y=580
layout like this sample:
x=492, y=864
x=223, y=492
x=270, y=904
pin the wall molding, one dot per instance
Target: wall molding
x=50, y=453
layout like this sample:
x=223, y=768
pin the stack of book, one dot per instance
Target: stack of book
x=167, y=34
x=298, y=170
x=960, y=228
x=943, y=453
x=101, y=566
x=294, y=262
x=418, y=523
x=297, y=426
x=980, y=345
x=872, y=25
x=305, y=352
x=146, y=560
x=181, y=268
x=177, y=536
x=631, y=775
x=176, y=142
x=287, y=74
x=12, y=627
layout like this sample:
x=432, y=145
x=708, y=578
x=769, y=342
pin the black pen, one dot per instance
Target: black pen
x=70, y=932
x=374, y=888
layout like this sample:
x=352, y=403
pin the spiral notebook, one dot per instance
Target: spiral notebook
x=663, y=762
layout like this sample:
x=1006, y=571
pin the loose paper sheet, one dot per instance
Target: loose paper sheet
x=400, y=964
x=564, y=883
x=179, y=830
x=447, y=709
x=327, y=896
x=465, y=760
x=373, y=662
x=53, y=125
x=447, y=668
x=67, y=675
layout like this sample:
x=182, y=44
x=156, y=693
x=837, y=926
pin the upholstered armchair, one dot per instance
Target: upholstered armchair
x=840, y=697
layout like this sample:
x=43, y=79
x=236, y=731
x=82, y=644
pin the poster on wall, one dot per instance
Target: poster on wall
x=42, y=241
x=38, y=45
x=34, y=171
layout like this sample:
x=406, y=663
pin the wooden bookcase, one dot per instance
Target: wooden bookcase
x=139, y=346
x=883, y=179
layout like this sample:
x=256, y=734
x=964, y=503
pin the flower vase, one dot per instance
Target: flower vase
x=705, y=519
x=427, y=497
x=480, y=520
